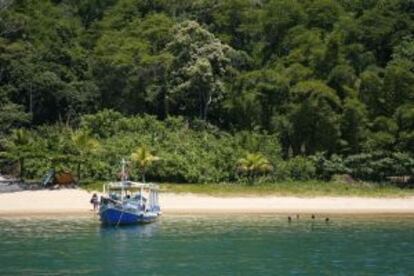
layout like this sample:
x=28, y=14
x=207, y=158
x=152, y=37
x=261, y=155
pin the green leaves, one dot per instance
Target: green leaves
x=316, y=92
x=254, y=164
x=18, y=147
x=84, y=144
x=201, y=63
x=143, y=158
x=12, y=116
x=398, y=86
x=354, y=125
x=323, y=13
x=20, y=138
x=315, y=119
x=323, y=75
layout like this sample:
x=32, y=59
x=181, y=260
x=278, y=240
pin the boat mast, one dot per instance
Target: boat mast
x=151, y=199
x=141, y=192
x=123, y=178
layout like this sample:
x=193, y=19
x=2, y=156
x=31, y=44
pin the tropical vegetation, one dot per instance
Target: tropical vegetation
x=220, y=91
x=143, y=159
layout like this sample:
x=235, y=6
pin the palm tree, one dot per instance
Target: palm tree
x=84, y=146
x=254, y=164
x=143, y=158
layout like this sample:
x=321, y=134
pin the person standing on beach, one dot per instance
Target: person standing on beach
x=95, y=201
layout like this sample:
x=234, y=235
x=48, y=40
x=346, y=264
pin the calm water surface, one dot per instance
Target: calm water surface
x=208, y=245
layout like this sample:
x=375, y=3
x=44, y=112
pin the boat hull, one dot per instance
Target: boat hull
x=113, y=216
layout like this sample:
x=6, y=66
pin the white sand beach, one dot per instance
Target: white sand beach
x=63, y=201
x=76, y=201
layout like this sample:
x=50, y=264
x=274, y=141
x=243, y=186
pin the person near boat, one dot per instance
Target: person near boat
x=95, y=202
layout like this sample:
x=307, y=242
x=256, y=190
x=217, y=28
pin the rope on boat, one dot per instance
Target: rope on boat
x=120, y=217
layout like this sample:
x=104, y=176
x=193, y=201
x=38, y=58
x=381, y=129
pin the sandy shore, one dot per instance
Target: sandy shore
x=70, y=201
x=76, y=201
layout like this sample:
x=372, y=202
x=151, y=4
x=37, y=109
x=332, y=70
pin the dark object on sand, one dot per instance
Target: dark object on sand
x=289, y=219
x=6, y=187
x=48, y=178
x=62, y=178
x=9, y=184
x=313, y=216
x=326, y=219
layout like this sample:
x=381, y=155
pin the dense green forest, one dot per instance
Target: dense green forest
x=302, y=88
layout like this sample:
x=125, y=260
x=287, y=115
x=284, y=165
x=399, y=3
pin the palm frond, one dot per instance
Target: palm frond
x=254, y=163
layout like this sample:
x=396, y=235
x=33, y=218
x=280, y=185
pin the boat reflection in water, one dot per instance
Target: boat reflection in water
x=129, y=232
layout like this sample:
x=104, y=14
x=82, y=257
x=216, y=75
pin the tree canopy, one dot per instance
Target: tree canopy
x=331, y=76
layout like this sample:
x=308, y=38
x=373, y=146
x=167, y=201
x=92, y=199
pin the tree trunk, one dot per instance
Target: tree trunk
x=143, y=175
x=79, y=172
x=21, y=168
x=250, y=177
x=205, y=104
x=205, y=101
x=201, y=108
x=205, y=112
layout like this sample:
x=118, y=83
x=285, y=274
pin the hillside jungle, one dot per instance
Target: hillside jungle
x=202, y=91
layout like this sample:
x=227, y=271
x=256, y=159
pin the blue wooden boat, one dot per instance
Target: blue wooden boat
x=128, y=202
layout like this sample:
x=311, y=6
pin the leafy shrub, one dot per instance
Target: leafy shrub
x=375, y=166
x=186, y=155
x=301, y=168
x=327, y=167
x=200, y=155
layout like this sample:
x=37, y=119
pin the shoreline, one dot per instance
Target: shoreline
x=69, y=202
x=63, y=215
x=197, y=204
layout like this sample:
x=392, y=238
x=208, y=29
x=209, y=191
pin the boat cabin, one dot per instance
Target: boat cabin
x=144, y=195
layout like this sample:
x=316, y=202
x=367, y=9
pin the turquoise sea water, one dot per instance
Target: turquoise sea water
x=208, y=245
